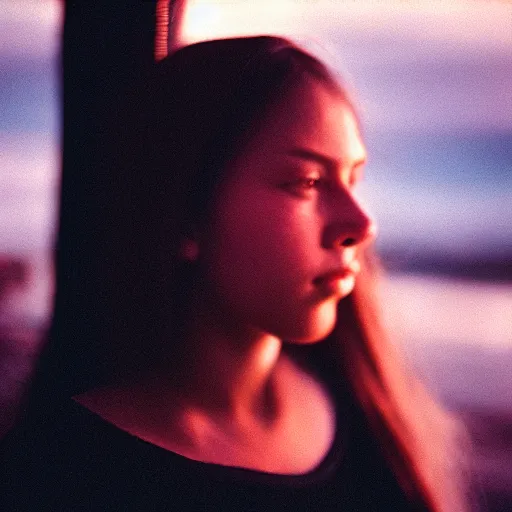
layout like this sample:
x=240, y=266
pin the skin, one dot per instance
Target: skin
x=281, y=219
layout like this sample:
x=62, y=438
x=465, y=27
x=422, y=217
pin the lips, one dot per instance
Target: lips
x=350, y=270
x=338, y=282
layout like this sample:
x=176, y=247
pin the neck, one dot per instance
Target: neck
x=224, y=374
x=228, y=372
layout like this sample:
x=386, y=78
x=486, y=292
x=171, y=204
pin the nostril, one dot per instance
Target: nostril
x=347, y=242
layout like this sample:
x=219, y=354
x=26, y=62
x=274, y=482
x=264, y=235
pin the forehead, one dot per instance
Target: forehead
x=313, y=117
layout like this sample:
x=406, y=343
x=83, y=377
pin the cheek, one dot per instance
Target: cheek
x=261, y=264
x=269, y=241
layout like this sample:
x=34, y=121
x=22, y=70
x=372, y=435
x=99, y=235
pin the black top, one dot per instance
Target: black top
x=78, y=461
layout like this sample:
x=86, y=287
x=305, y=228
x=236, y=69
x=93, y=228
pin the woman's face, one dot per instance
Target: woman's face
x=281, y=248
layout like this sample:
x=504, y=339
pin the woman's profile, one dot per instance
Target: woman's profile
x=248, y=368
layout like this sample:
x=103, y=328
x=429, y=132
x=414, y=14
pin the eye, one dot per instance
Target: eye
x=310, y=183
x=305, y=187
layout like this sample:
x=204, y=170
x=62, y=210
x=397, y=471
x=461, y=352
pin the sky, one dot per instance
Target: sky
x=431, y=79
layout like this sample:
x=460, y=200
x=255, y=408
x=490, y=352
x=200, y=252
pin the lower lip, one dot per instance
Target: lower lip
x=341, y=286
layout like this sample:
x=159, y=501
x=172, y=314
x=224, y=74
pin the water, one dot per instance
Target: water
x=457, y=333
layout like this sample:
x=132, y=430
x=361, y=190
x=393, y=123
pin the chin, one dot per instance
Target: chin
x=318, y=327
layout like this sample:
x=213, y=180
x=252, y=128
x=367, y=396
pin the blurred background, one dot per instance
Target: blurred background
x=433, y=83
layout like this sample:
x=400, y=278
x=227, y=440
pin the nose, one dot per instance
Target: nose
x=350, y=225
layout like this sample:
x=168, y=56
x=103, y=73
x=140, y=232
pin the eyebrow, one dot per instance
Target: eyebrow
x=328, y=163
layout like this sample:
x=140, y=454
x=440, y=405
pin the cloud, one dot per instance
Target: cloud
x=30, y=28
x=439, y=218
x=445, y=95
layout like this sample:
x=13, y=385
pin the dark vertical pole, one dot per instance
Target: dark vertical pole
x=106, y=45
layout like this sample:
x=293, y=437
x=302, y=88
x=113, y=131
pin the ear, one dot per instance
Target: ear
x=189, y=250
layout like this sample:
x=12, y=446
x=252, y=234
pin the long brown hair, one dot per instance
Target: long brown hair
x=185, y=123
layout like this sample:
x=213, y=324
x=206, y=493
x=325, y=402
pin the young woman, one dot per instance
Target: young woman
x=248, y=369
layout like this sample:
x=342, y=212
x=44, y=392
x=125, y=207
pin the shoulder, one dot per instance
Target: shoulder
x=75, y=461
x=42, y=461
x=68, y=435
